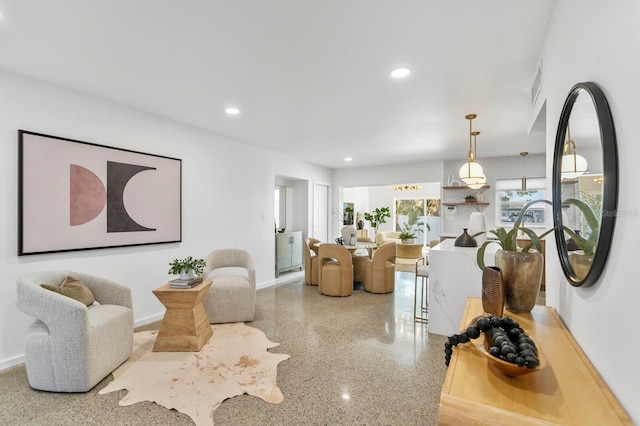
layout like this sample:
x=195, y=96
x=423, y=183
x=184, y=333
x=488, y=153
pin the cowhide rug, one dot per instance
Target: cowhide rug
x=234, y=361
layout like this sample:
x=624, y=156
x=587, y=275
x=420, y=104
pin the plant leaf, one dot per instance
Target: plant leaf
x=481, y=250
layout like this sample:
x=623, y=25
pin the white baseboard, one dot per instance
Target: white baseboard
x=11, y=362
x=148, y=320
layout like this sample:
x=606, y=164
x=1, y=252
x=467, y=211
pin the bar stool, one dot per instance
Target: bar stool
x=422, y=273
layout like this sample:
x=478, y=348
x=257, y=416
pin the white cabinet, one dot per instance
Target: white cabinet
x=288, y=251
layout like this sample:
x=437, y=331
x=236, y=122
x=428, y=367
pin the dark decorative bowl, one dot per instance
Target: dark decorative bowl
x=507, y=368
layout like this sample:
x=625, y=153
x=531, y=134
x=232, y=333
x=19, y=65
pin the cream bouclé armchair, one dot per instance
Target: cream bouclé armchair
x=379, y=272
x=385, y=237
x=232, y=295
x=71, y=346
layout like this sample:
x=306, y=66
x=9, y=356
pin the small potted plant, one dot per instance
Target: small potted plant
x=188, y=268
x=470, y=199
x=408, y=232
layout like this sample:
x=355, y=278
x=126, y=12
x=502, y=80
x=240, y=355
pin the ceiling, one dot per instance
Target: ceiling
x=311, y=78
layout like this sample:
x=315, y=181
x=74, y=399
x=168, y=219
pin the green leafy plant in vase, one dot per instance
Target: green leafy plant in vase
x=188, y=268
x=377, y=217
x=521, y=268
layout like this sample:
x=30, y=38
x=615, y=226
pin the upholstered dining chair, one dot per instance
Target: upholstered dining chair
x=311, y=261
x=358, y=258
x=379, y=272
x=335, y=277
x=232, y=295
x=74, y=342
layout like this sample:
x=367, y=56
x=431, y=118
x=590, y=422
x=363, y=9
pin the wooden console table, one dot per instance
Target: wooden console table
x=567, y=391
x=185, y=326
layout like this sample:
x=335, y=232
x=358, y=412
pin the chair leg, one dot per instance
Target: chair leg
x=420, y=314
x=425, y=295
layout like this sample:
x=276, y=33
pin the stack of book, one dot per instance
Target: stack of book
x=178, y=283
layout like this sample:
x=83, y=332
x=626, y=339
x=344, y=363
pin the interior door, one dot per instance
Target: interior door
x=321, y=212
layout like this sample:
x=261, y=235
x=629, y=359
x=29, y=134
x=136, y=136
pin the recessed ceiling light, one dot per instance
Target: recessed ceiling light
x=348, y=159
x=400, y=72
x=232, y=111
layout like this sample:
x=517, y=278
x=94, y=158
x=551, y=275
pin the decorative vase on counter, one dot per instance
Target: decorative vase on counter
x=478, y=223
x=465, y=240
x=522, y=277
x=492, y=290
x=359, y=221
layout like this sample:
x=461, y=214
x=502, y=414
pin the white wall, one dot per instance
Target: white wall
x=598, y=40
x=227, y=195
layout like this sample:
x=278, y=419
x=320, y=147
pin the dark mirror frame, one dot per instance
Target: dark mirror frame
x=609, y=184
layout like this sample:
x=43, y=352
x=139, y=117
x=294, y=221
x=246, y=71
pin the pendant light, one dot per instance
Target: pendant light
x=471, y=172
x=573, y=165
x=524, y=178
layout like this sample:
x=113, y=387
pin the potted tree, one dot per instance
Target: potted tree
x=377, y=217
x=521, y=268
x=188, y=268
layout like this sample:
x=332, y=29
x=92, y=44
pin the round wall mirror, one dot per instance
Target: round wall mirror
x=585, y=184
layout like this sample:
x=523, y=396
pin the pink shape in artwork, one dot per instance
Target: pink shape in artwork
x=87, y=195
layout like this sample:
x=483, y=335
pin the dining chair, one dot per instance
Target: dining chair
x=311, y=261
x=335, y=270
x=379, y=271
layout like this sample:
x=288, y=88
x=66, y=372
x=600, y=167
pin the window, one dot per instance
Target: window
x=510, y=199
x=418, y=215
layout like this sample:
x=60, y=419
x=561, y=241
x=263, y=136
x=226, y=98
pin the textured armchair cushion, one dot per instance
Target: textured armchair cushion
x=385, y=237
x=73, y=288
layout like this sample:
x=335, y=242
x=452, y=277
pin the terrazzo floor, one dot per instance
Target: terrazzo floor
x=358, y=360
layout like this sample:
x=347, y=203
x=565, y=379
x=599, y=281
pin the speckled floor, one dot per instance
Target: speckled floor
x=354, y=360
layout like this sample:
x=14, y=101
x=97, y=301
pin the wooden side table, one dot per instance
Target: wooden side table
x=568, y=390
x=185, y=326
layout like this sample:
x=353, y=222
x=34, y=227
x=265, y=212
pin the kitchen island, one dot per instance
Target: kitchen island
x=454, y=276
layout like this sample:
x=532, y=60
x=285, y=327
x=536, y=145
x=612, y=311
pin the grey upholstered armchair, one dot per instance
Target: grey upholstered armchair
x=232, y=296
x=71, y=347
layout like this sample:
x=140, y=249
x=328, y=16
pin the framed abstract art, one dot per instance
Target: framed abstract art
x=76, y=195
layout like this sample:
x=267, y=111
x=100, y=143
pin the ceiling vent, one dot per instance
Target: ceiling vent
x=537, y=85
